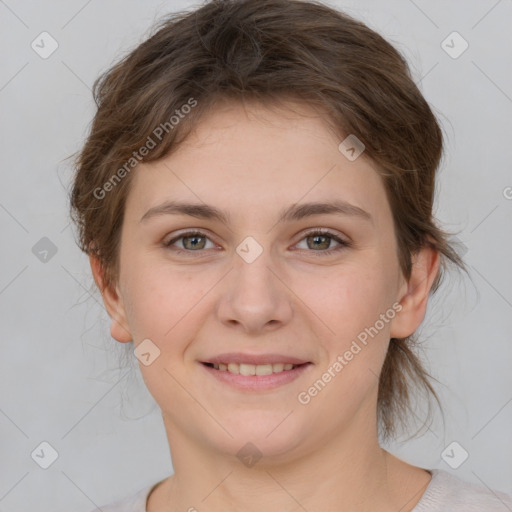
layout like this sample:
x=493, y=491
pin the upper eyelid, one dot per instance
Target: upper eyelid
x=190, y=232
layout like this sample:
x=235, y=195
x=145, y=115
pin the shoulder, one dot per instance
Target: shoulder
x=134, y=503
x=448, y=492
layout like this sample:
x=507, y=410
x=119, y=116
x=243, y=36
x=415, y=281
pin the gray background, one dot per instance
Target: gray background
x=60, y=377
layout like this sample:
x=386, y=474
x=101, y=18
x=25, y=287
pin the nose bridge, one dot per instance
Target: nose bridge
x=254, y=268
x=255, y=296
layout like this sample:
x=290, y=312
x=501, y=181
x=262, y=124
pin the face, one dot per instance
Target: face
x=260, y=281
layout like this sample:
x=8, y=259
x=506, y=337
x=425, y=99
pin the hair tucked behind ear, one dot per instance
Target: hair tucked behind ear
x=270, y=50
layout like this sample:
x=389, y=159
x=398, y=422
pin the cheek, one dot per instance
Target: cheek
x=168, y=306
x=348, y=299
x=164, y=308
x=350, y=305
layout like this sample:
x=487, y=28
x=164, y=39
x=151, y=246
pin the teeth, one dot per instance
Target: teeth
x=254, y=369
x=232, y=367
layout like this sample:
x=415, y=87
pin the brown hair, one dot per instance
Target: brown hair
x=269, y=50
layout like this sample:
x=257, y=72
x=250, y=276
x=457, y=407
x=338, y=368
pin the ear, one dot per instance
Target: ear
x=414, y=292
x=119, y=329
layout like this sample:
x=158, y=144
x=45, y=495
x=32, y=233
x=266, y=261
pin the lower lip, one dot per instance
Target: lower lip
x=257, y=382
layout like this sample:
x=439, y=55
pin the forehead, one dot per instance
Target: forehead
x=255, y=158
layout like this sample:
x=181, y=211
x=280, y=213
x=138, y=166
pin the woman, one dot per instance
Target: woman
x=255, y=197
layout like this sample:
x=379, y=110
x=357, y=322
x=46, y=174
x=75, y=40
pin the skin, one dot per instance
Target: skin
x=294, y=299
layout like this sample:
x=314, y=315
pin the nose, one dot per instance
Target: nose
x=254, y=297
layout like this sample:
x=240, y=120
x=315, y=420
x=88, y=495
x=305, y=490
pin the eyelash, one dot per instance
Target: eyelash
x=318, y=232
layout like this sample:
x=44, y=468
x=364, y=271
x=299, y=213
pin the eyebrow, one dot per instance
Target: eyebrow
x=294, y=212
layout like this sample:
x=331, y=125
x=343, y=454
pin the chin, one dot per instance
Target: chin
x=268, y=439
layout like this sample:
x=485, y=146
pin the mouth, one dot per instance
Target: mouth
x=254, y=369
x=247, y=377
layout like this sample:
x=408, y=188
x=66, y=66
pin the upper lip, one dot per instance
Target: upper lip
x=256, y=359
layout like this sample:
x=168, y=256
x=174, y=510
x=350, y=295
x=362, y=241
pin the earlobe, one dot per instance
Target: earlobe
x=119, y=329
x=415, y=292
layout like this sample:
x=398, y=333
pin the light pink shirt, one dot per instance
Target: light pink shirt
x=445, y=493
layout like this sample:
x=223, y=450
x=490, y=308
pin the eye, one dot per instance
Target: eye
x=192, y=241
x=320, y=239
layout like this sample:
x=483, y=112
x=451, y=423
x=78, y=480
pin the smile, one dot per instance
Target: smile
x=253, y=369
x=252, y=377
